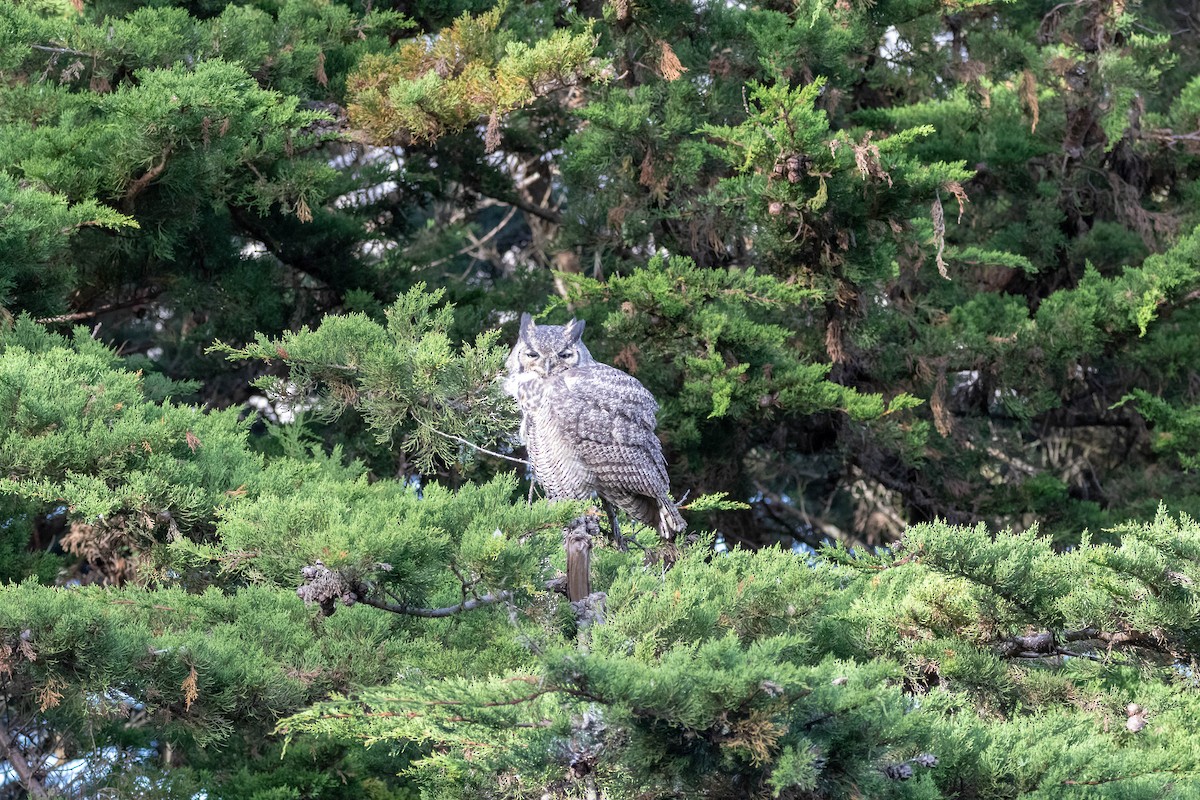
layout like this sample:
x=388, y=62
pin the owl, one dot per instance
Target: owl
x=589, y=427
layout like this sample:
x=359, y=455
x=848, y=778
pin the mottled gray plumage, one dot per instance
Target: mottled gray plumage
x=588, y=427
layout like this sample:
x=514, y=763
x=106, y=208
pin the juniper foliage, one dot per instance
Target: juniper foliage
x=913, y=282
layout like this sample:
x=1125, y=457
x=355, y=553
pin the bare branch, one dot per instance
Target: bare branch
x=577, y=539
x=25, y=771
x=475, y=243
x=547, y=214
x=445, y=611
x=61, y=50
x=1047, y=644
x=473, y=445
x=140, y=300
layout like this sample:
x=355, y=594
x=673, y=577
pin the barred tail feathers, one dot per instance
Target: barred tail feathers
x=658, y=513
x=670, y=521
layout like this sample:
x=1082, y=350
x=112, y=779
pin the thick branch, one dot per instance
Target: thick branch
x=25, y=771
x=445, y=611
x=1190, y=141
x=547, y=214
x=142, y=298
x=1046, y=643
x=828, y=715
x=333, y=275
x=139, y=185
x=577, y=540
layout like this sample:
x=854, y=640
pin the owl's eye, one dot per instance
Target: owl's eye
x=531, y=354
x=566, y=354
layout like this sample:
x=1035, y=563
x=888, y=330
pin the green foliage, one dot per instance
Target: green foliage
x=882, y=264
x=714, y=502
x=78, y=429
x=239, y=529
x=205, y=664
x=35, y=227
x=758, y=671
x=1176, y=429
x=406, y=379
x=721, y=352
x=175, y=128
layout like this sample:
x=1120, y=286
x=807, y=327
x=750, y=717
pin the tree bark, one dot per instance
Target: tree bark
x=16, y=757
x=578, y=541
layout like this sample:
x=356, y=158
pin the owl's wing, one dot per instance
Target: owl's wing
x=611, y=415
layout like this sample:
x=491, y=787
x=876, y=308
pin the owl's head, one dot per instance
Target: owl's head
x=546, y=350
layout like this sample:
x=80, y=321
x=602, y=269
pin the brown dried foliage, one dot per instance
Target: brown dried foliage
x=648, y=177
x=107, y=551
x=757, y=733
x=1028, y=94
x=960, y=194
x=939, y=235
x=833, y=342
x=616, y=214
x=49, y=696
x=321, y=77
x=303, y=212
x=72, y=71
x=1157, y=228
x=867, y=159
x=672, y=69
x=971, y=74
x=191, y=692
x=646, y=172
x=627, y=359
x=491, y=138
x=942, y=420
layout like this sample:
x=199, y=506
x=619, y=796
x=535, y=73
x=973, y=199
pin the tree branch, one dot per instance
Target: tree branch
x=141, y=299
x=1115, y=778
x=445, y=611
x=475, y=243
x=473, y=445
x=16, y=757
x=61, y=50
x=577, y=539
x=139, y=185
x=538, y=211
x=828, y=715
x=1046, y=643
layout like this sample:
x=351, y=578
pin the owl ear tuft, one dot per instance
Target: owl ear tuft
x=574, y=329
x=527, y=325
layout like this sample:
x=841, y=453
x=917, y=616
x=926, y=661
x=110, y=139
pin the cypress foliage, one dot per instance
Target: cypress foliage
x=913, y=283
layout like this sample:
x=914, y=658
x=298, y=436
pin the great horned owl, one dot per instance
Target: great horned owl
x=588, y=427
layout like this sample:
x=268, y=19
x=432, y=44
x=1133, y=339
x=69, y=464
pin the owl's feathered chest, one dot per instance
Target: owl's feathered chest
x=551, y=439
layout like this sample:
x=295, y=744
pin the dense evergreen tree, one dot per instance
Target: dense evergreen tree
x=903, y=273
